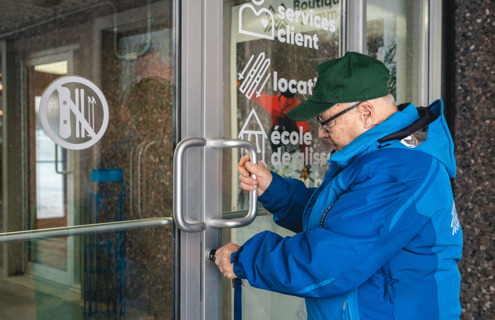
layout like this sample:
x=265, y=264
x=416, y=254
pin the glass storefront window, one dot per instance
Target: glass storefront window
x=397, y=34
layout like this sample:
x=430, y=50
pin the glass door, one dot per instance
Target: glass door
x=89, y=118
x=266, y=63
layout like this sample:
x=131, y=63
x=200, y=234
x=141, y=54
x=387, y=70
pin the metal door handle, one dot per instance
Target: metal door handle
x=197, y=226
x=253, y=195
x=178, y=214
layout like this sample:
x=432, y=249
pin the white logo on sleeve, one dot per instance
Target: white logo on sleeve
x=455, y=225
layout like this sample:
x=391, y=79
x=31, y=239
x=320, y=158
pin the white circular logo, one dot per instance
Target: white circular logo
x=74, y=112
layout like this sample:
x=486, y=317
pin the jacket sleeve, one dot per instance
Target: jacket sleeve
x=286, y=198
x=367, y=226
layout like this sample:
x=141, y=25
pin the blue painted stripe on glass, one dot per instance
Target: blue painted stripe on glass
x=106, y=175
x=426, y=182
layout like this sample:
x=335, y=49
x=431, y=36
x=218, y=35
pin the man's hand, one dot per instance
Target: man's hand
x=222, y=260
x=263, y=175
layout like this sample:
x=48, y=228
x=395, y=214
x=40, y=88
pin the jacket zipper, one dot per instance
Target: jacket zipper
x=325, y=214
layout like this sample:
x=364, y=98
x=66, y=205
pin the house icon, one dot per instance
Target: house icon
x=257, y=137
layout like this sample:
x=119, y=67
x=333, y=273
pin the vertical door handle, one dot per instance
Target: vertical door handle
x=178, y=213
x=253, y=195
x=197, y=226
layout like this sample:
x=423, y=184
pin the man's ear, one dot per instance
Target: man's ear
x=367, y=113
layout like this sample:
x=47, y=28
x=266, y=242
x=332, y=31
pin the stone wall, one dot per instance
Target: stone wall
x=469, y=93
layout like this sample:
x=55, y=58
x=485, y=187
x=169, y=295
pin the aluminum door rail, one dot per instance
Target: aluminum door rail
x=84, y=229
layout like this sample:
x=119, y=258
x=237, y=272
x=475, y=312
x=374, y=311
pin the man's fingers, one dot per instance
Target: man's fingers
x=247, y=180
x=254, y=168
x=244, y=159
x=248, y=183
x=242, y=166
x=222, y=259
x=248, y=187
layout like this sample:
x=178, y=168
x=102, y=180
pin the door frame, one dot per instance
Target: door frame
x=198, y=282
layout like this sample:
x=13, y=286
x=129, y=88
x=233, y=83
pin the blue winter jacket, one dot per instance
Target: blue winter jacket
x=379, y=239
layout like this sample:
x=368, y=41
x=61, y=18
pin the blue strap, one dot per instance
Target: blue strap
x=237, y=299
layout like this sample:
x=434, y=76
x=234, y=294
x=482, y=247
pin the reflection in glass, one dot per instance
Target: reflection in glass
x=50, y=199
x=396, y=35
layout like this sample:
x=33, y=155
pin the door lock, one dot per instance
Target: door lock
x=211, y=254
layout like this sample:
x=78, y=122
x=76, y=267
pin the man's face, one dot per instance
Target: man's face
x=342, y=130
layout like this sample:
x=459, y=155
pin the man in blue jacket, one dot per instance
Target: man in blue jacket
x=380, y=238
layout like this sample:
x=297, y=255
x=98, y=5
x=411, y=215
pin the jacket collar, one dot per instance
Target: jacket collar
x=364, y=143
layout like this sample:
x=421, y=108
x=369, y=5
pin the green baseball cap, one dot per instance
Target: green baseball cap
x=351, y=78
